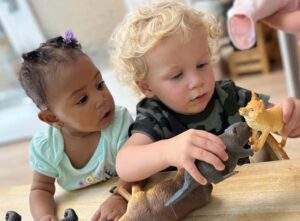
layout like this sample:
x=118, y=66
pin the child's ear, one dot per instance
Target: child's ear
x=49, y=117
x=146, y=90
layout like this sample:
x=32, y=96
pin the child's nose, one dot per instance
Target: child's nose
x=195, y=80
x=98, y=105
x=99, y=102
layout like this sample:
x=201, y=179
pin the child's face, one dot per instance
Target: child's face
x=180, y=74
x=79, y=98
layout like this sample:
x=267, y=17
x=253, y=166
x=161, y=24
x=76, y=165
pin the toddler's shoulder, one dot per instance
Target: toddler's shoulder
x=122, y=117
x=225, y=83
x=226, y=89
x=120, y=124
x=47, y=145
x=150, y=108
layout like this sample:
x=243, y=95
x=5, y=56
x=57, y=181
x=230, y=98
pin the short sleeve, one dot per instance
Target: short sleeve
x=124, y=122
x=119, y=129
x=245, y=96
x=242, y=95
x=46, y=152
x=149, y=120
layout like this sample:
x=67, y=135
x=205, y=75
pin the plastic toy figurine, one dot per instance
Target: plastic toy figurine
x=69, y=215
x=235, y=138
x=262, y=120
x=12, y=216
x=150, y=204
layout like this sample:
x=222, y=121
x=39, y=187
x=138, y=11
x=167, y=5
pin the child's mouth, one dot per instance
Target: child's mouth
x=199, y=98
x=106, y=115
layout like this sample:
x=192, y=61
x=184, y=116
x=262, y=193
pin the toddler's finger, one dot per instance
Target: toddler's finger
x=113, y=215
x=117, y=218
x=213, y=138
x=194, y=172
x=209, y=146
x=96, y=216
x=208, y=157
x=103, y=218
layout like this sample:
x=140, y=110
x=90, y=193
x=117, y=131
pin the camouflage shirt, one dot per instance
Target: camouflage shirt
x=157, y=121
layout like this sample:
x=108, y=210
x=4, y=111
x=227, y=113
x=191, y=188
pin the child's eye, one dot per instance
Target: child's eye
x=177, y=76
x=200, y=66
x=82, y=100
x=100, y=85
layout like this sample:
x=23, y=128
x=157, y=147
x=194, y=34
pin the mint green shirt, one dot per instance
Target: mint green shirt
x=47, y=154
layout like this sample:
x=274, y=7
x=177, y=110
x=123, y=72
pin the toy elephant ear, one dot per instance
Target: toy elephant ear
x=254, y=96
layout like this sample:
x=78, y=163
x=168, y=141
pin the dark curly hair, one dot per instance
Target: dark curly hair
x=42, y=63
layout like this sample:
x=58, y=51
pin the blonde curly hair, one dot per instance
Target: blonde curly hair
x=144, y=28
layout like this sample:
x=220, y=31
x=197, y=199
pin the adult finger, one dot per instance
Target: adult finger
x=295, y=133
x=288, y=107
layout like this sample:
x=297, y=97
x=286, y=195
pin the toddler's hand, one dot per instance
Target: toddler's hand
x=112, y=208
x=291, y=117
x=191, y=145
x=48, y=218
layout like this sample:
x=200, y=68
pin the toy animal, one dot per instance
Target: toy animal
x=235, y=137
x=148, y=204
x=69, y=215
x=262, y=120
x=12, y=216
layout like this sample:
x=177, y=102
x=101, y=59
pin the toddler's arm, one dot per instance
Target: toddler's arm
x=291, y=117
x=244, y=14
x=140, y=158
x=41, y=198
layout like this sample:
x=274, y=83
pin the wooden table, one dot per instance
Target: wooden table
x=260, y=191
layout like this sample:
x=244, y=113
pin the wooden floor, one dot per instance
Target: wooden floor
x=14, y=160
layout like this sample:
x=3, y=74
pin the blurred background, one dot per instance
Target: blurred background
x=24, y=24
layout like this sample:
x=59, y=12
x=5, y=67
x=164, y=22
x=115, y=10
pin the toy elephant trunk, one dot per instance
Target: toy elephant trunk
x=235, y=138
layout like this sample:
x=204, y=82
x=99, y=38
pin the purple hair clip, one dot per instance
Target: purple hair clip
x=69, y=37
